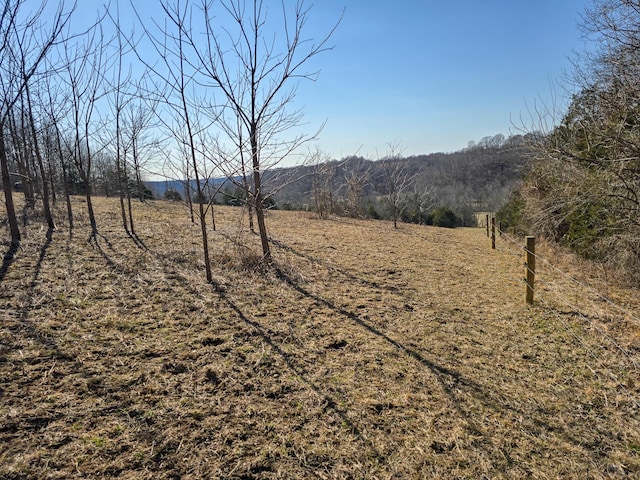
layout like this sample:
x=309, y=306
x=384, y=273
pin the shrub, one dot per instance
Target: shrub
x=511, y=215
x=372, y=212
x=269, y=203
x=142, y=193
x=172, y=195
x=588, y=226
x=444, y=217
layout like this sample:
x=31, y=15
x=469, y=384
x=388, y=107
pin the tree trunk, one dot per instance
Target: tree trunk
x=8, y=193
x=187, y=192
x=121, y=173
x=121, y=181
x=201, y=212
x=87, y=194
x=203, y=226
x=52, y=182
x=65, y=179
x=259, y=198
x=67, y=194
x=38, y=154
x=92, y=217
x=130, y=213
x=213, y=216
x=248, y=196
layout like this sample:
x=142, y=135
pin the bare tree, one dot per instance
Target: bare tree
x=25, y=41
x=420, y=199
x=133, y=111
x=85, y=64
x=38, y=156
x=255, y=65
x=177, y=74
x=357, y=176
x=140, y=116
x=322, y=173
x=21, y=152
x=55, y=114
x=135, y=117
x=245, y=84
x=118, y=101
x=235, y=164
x=397, y=180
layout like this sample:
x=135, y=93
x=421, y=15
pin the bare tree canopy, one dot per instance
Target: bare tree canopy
x=27, y=37
x=244, y=61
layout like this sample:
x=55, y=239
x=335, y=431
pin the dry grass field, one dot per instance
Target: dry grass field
x=370, y=353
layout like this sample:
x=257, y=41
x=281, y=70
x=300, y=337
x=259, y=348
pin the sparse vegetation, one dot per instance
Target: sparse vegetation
x=118, y=359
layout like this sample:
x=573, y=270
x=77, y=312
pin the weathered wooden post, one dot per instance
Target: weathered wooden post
x=487, y=223
x=530, y=265
x=493, y=233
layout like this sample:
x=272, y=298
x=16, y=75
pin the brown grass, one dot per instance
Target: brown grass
x=368, y=353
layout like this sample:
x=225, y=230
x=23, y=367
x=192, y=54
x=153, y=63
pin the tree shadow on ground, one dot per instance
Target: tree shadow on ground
x=137, y=240
x=453, y=383
x=41, y=257
x=26, y=327
x=108, y=258
x=105, y=255
x=344, y=273
x=330, y=403
x=8, y=260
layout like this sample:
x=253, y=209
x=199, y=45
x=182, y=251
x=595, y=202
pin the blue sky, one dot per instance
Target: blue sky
x=433, y=75
x=430, y=75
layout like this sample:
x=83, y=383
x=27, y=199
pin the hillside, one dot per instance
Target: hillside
x=374, y=353
x=478, y=178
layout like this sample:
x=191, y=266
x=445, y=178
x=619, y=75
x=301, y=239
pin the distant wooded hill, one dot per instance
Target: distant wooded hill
x=476, y=179
x=159, y=188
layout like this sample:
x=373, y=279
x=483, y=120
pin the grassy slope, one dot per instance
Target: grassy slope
x=375, y=354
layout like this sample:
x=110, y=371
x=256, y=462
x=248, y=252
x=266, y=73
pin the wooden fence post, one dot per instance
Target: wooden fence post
x=487, y=222
x=530, y=264
x=493, y=233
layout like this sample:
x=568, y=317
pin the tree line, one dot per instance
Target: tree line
x=443, y=189
x=583, y=189
x=206, y=87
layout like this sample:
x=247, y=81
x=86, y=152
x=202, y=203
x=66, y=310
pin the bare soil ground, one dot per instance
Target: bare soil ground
x=369, y=353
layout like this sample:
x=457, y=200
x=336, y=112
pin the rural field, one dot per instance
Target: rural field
x=367, y=353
